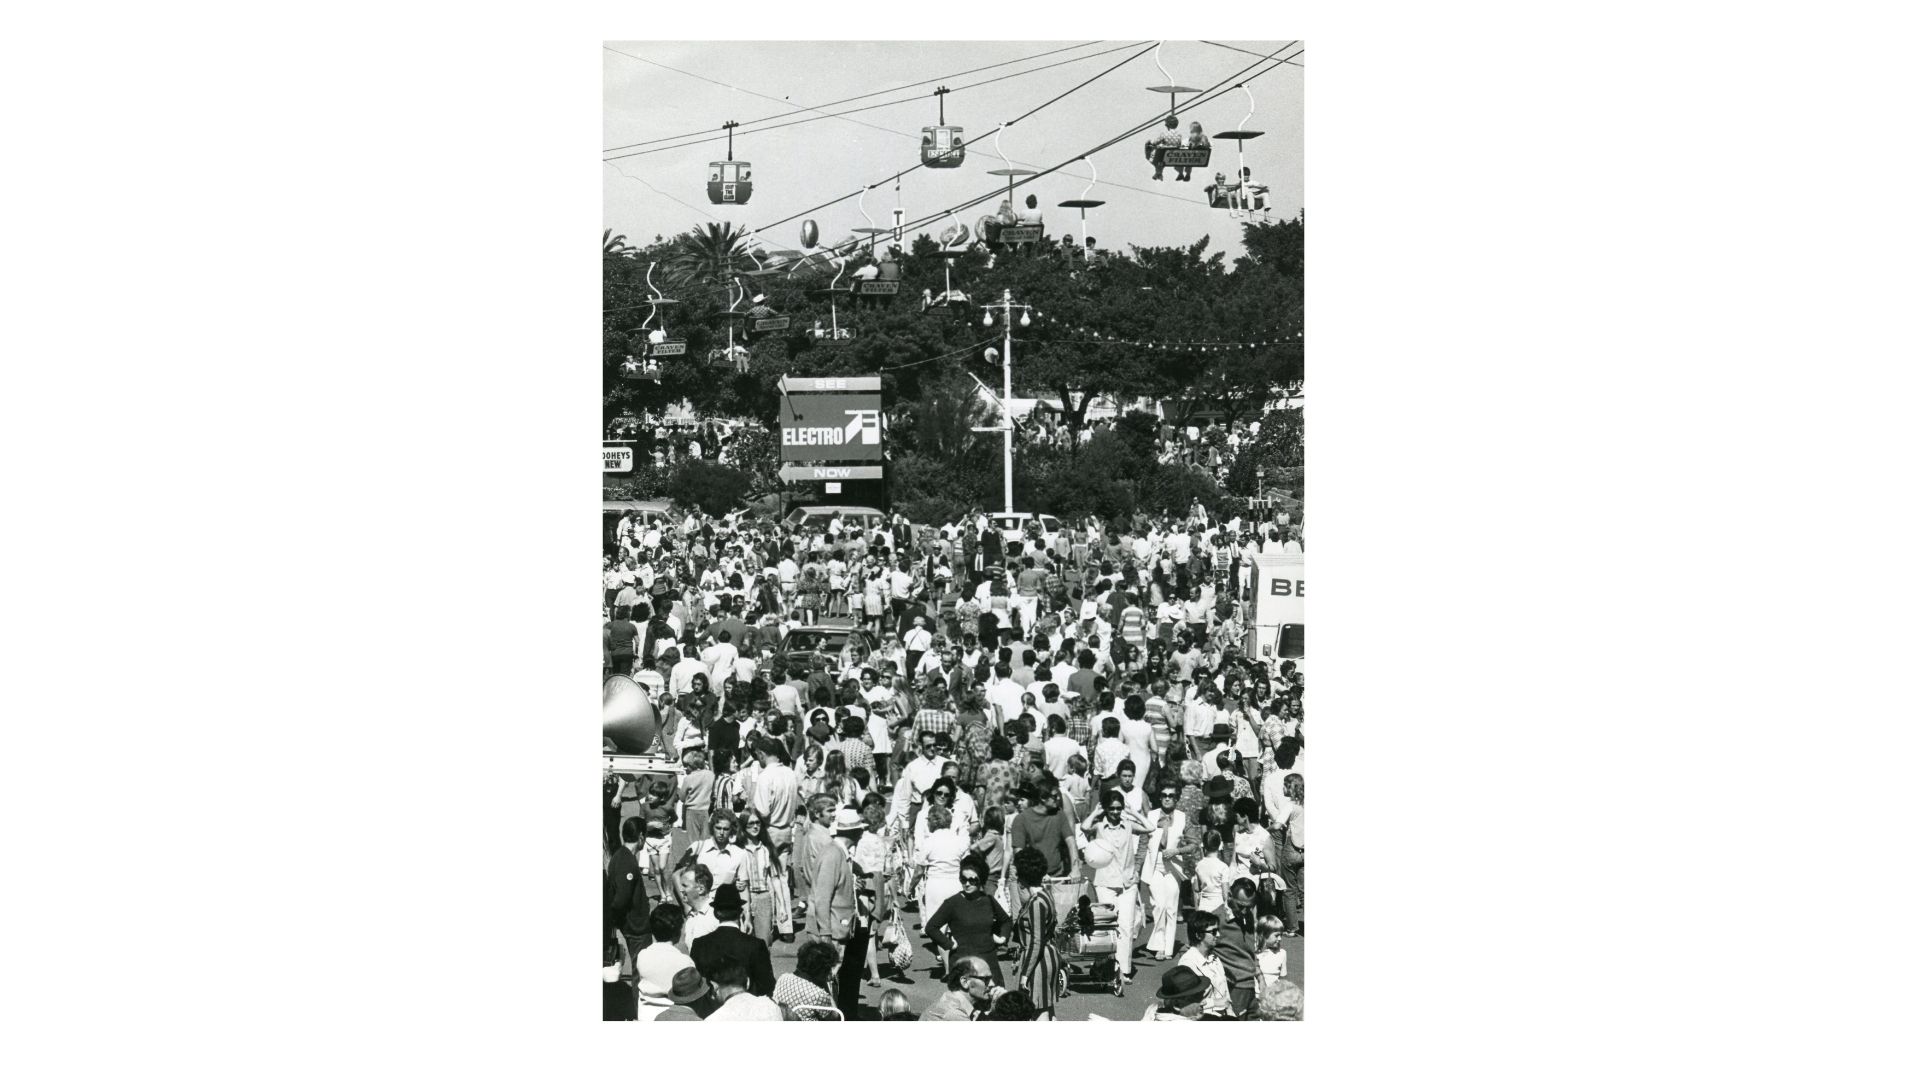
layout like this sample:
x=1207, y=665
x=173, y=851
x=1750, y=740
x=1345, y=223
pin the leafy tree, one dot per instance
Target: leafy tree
x=715, y=489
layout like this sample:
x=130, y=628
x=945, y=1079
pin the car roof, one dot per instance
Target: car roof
x=828, y=511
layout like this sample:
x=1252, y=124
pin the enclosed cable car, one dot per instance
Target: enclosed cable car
x=1243, y=198
x=729, y=181
x=1008, y=228
x=943, y=146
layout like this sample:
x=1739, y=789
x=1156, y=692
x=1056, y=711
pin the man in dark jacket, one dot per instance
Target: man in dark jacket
x=728, y=940
x=628, y=907
x=1238, y=945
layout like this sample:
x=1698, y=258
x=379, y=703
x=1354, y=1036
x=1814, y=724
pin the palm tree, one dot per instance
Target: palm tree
x=710, y=255
x=616, y=245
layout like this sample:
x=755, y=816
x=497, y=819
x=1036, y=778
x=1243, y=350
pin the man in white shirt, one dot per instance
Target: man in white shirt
x=776, y=794
x=1137, y=734
x=918, y=640
x=680, y=680
x=1059, y=748
x=695, y=883
x=1108, y=848
x=919, y=774
x=727, y=862
x=1004, y=694
x=720, y=658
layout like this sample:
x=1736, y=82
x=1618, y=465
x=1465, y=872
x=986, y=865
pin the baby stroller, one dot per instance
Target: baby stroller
x=1089, y=944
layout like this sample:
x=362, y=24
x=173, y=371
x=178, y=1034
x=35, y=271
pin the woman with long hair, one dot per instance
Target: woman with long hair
x=1034, y=932
x=763, y=869
x=812, y=588
x=1292, y=843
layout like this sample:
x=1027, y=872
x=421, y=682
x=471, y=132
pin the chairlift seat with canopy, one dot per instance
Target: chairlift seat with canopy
x=833, y=294
x=667, y=343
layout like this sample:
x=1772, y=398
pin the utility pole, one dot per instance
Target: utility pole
x=1007, y=306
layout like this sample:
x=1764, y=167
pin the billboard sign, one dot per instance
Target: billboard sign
x=615, y=458
x=830, y=428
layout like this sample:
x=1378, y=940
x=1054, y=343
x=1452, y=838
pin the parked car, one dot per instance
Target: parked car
x=645, y=512
x=803, y=643
x=865, y=518
x=1014, y=526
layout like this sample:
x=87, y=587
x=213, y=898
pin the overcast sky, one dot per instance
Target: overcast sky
x=806, y=164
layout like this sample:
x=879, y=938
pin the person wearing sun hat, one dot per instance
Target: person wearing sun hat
x=835, y=911
x=691, y=995
x=1183, y=993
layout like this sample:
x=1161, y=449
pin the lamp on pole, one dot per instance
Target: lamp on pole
x=1007, y=306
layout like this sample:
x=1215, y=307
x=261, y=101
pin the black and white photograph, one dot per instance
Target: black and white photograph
x=949, y=370
x=953, y=532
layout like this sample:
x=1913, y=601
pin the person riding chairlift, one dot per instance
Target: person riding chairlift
x=1196, y=140
x=1165, y=141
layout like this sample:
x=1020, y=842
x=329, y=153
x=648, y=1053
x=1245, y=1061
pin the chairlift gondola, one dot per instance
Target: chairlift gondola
x=1183, y=153
x=832, y=294
x=951, y=303
x=1243, y=198
x=1009, y=228
x=734, y=354
x=661, y=341
x=1083, y=204
x=870, y=230
x=729, y=181
x=943, y=146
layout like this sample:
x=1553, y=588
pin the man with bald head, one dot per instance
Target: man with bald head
x=970, y=991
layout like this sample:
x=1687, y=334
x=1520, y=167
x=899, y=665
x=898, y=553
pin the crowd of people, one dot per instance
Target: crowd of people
x=1029, y=742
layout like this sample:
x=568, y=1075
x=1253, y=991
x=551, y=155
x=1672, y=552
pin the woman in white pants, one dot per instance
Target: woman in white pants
x=1169, y=825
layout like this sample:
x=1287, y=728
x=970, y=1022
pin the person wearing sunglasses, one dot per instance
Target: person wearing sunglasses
x=1160, y=871
x=1203, y=933
x=971, y=922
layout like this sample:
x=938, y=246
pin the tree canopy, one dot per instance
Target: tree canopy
x=1078, y=347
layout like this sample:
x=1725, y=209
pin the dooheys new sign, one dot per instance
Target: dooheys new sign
x=830, y=427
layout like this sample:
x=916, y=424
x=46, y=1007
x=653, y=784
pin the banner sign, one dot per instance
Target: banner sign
x=878, y=288
x=832, y=472
x=778, y=322
x=790, y=384
x=668, y=348
x=830, y=427
x=616, y=458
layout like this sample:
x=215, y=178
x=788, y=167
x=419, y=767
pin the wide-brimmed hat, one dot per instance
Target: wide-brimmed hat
x=846, y=820
x=1183, y=986
x=688, y=986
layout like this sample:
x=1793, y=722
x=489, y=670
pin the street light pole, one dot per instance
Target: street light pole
x=1007, y=306
x=1006, y=395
